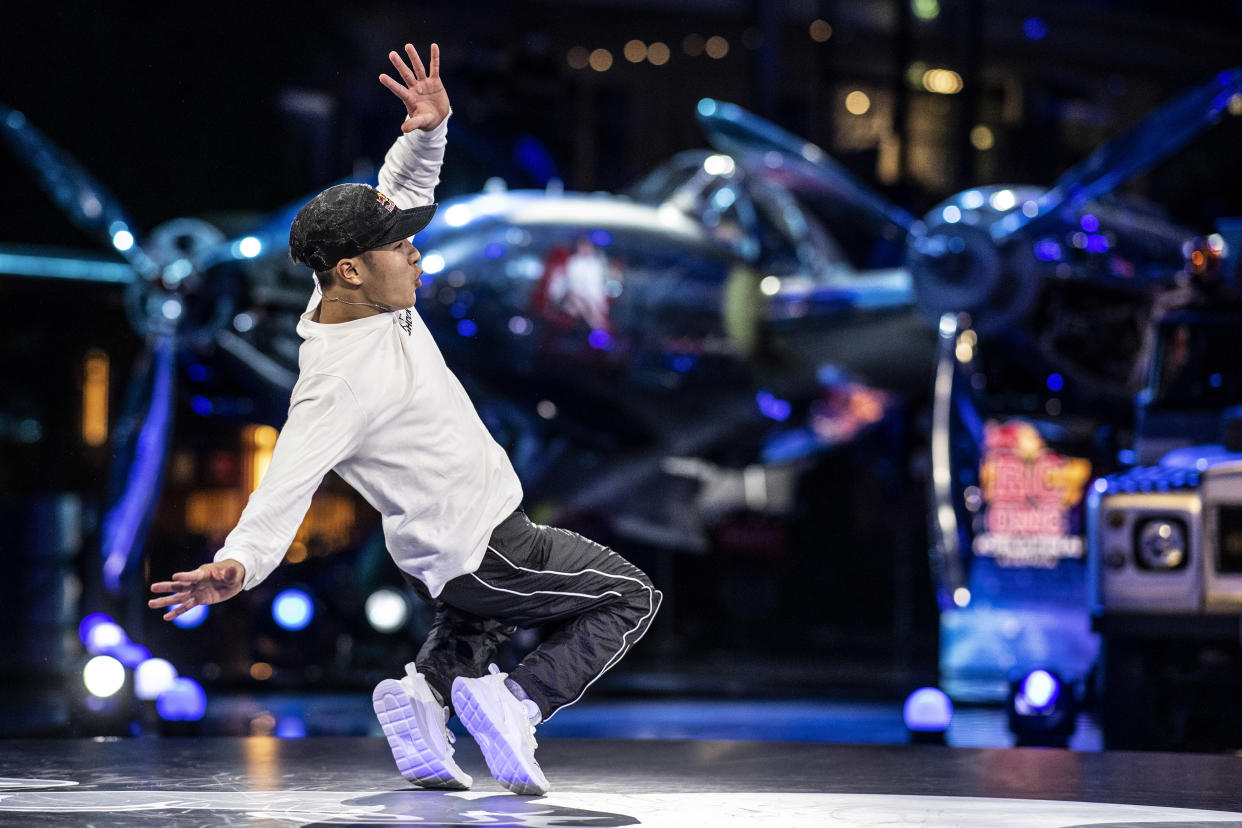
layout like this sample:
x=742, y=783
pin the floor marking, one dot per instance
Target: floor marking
x=651, y=810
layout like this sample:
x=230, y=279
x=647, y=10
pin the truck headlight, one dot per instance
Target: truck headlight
x=1160, y=543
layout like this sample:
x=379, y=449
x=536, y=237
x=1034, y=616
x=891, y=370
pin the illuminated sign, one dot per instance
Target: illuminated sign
x=1027, y=492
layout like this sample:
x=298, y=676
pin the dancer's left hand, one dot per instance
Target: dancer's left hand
x=426, y=102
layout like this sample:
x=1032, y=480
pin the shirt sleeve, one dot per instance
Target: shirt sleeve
x=411, y=168
x=325, y=426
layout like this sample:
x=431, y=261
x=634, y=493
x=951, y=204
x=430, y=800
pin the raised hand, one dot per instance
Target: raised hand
x=426, y=102
x=209, y=584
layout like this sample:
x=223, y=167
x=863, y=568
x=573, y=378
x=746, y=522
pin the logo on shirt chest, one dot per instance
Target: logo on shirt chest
x=405, y=320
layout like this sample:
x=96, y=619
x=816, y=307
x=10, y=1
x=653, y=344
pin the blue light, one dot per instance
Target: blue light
x=494, y=250
x=292, y=609
x=683, y=363
x=1039, y=690
x=458, y=310
x=467, y=328
x=951, y=214
x=192, y=617
x=200, y=405
x=1089, y=223
x=1055, y=382
x=1097, y=243
x=536, y=159
x=1127, y=457
x=103, y=637
x=130, y=654
x=290, y=727
x=927, y=710
x=1101, y=485
x=707, y=107
x=185, y=701
x=196, y=371
x=772, y=407
x=1216, y=380
x=89, y=623
x=1047, y=250
x=601, y=238
x=724, y=198
x=1034, y=28
x=122, y=522
x=600, y=340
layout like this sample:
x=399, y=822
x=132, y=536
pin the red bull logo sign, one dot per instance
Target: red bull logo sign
x=1026, y=492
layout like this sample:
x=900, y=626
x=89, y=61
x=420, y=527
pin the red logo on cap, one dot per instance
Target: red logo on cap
x=386, y=201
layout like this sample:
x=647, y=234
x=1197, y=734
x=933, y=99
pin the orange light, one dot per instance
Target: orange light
x=716, y=47
x=601, y=60
x=258, y=443
x=95, y=377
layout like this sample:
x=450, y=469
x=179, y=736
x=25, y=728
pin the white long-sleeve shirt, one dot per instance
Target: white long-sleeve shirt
x=376, y=402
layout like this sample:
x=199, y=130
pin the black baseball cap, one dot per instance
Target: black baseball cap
x=349, y=219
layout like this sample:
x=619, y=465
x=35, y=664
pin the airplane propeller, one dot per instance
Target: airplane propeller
x=179, y=292
x=977, y=259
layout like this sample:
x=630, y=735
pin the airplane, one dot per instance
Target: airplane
x=662, y=359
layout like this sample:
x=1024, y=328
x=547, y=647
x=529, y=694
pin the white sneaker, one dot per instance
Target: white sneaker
x=414, y=723
x=501, y=725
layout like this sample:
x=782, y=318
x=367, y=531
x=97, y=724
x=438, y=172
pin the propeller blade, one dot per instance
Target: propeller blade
x=49, y=263
x=125, y=524
x=753, y=140
x=83, y=199
x=1162, y=132
x=260, y=363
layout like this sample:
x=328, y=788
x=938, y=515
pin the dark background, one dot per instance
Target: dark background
x=230, y=110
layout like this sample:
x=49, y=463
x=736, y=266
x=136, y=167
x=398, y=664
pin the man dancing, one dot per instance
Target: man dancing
x=376, y=402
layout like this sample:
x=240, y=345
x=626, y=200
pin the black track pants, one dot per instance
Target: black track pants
x=592, y=603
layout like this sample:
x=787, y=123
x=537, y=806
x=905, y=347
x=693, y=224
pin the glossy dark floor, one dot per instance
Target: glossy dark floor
x=352, y=781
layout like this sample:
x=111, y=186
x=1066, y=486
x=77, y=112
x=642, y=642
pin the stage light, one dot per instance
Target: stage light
x=1041, y=710
x=153, y=677
x=857, y=102
x=89, y=623
x=1038, y=691
x=386, y=610
x=104, y=636
x=192, y=617
x=290, y=728
x=185, y=701
x=250, y=247
x=458, y=215
x=122, y=240
x=129, y=654
x=716, y=47
x=292, y=609
x=927, y=714
x=432, y=263
x=103, y=676
x=820, y=30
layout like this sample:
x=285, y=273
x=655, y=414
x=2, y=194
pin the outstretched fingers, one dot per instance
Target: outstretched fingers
x=419, y=71
x=411, y=80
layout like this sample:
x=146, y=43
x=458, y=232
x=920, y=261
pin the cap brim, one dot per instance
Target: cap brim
x=408, y=222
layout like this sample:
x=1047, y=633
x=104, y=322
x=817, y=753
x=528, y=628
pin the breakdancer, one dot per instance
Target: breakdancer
x=376, y=402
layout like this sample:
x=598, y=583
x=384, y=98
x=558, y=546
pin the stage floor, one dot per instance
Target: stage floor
x=604, y=782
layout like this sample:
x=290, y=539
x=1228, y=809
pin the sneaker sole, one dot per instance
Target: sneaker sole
x=417, y=760
x=513, y=771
